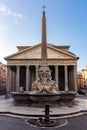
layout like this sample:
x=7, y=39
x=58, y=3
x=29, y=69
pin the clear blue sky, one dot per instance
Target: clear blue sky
x=20, y=24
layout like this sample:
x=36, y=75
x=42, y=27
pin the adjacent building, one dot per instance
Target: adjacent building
x=2, y=76
x=79, y=80
x=84, y=75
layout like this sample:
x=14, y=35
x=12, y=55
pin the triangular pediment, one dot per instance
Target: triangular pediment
x=35, y=53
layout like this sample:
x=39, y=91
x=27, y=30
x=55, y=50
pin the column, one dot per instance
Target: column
x=11, y=80
x=17, y=78
x=8, y=79
x=66, y=79
x=27, y=78
x=14, y=81
x=75, y=78
x=72, y=85
x=70, y=78
x=56, y=76
x=37, y=72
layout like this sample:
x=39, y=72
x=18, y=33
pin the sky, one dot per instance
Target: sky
x=20, y=25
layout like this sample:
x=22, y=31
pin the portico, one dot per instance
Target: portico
x=24, y=74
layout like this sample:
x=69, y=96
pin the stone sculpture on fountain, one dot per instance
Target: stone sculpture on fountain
x=44, y=84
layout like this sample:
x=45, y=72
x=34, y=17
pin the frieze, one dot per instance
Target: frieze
x=22, y=62
x=38, y=62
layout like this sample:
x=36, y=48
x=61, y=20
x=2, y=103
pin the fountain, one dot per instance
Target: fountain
x=44, y=89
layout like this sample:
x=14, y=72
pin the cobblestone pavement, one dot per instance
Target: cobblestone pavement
x=82, y=96
x=13, y=123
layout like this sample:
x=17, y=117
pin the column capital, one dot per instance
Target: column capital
x=75, y=67
x=18, y=66
x=37, y=65
x=56, y=65
x=27, y=66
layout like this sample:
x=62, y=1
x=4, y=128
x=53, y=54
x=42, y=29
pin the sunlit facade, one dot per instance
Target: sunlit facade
x=79, y=80
x=84, y=75
x=2, y=75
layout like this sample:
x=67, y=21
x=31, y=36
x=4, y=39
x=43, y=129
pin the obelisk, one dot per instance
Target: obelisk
x=44, y=40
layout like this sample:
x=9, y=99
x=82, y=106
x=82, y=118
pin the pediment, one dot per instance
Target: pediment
x=35, y=53
x=58, y=54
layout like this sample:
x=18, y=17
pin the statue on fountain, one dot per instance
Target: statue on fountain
x=44, y=84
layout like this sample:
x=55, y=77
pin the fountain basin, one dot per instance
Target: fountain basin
x=66, y=96
x=20, y=97
x=43, y=98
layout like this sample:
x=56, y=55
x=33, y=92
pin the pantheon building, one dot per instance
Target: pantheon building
x=22, y=67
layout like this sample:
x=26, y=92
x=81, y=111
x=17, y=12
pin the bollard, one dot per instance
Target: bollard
x=47, y=116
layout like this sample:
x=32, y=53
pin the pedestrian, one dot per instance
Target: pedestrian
x=6, y=95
